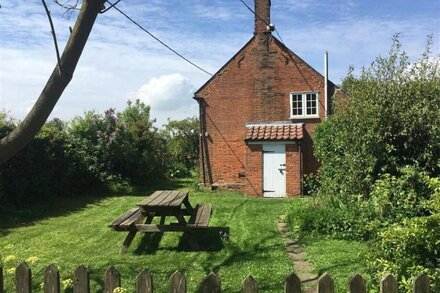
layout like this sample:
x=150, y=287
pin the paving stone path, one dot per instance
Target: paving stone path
x=301, y=267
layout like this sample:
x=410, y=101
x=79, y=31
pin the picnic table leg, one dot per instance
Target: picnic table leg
x=131, y=235
x=127, y=242
x=188, y=205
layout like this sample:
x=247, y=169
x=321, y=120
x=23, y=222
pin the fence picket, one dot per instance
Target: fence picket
x=51, y=279
x=325, y=284
x=388, y=284
x=421, y=284
x=249, y=285
x=357, y=284
x=81, y=283
x=1, y=279
x=23, y=278
x=112, y=280
x=211, y=284
x=144, y=282
x=292, y=284
x=177, y=283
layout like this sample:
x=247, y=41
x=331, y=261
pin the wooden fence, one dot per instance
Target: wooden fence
x=211, y=284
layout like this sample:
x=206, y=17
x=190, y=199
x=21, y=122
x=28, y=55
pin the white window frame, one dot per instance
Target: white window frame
x=304, y=105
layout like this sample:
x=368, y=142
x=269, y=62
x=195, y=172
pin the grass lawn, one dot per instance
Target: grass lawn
x=340, y=258
x=78, y=234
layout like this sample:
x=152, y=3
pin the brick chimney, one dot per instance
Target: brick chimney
x=262, y=17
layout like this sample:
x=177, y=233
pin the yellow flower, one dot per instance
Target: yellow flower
x=10, y=271
x=9, y=258
x=67, y=283
x=32, y=260
x=119, y=290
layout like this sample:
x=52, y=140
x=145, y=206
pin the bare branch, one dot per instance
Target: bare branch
x=70, y=8
x=110, y=7
x=53, y=35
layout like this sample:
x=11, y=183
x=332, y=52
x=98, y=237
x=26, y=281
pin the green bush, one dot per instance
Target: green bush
x=112, y=150
x=380, y=167
x=409, y=249
x=388, y=120
x=407, y=195
x=330, y=217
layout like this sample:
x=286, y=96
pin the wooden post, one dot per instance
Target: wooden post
x=421, y=284
x=211, y=284
x=51, y=279
x=1, y=280
x=388, y=284
x=177, y=283
x=292, y=284
x=325, y=284
x=81, y=283
x=357, y=284
x=112, y=280
x=144, y=282
x=23, y=279
x=249, y=285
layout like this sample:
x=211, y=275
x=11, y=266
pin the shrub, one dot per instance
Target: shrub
x=409, y=249
x=395, y=198
x=330, y=217
x=389, y=121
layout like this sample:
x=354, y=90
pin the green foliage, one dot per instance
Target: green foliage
x=380, y=166
x=389, y=121
x=408, y=249
x=310, y=184
x=330, y=216
x=31, y=173
x=405, y=196
x=183, y=146
x=113, y=150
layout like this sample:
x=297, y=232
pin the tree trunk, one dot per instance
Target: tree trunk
x=58, y=81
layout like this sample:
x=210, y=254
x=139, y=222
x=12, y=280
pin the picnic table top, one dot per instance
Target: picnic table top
x=164, y=198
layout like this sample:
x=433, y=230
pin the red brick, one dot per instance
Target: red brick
x=255, y=86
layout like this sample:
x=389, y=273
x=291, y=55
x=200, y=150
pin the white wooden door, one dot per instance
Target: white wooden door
x=274, y=170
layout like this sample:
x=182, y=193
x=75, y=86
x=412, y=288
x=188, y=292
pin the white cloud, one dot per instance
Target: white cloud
x=167, y=92
x=169, y=96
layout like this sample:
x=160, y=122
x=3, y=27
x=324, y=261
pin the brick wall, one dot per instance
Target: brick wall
x=255, y=86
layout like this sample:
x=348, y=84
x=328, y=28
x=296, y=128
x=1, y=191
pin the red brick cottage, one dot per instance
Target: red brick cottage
x=257, y=115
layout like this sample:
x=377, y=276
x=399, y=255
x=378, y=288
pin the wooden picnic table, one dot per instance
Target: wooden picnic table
x=163, y=204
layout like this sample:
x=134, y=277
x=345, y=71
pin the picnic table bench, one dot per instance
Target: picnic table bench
x=163, y=204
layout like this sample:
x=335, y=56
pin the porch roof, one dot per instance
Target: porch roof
x=274, y=131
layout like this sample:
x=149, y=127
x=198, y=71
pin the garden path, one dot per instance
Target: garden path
x=302, y=268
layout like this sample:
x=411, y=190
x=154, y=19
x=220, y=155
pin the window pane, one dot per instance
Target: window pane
x=311, y=106
x=296, y=105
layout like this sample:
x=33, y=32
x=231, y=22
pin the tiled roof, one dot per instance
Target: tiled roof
x=274, y=132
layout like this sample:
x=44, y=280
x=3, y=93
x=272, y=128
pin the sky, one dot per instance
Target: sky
x=121, y=62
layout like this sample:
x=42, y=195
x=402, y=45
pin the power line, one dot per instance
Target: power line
x=158, y=40
x=259, y=17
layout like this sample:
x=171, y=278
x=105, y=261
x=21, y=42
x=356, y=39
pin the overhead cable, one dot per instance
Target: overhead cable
x=158, y=40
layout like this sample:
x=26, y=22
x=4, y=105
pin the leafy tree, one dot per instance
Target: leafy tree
x=182, y=138
x=141, y=148
x=391, y=120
